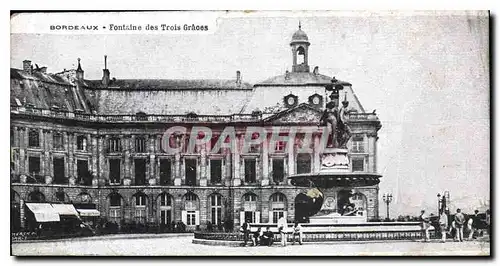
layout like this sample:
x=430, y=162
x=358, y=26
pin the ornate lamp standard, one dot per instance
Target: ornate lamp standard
x=439, y=203
x=387, y=197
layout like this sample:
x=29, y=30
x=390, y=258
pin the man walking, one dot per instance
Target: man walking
x=474, y=221
x=245, y=229
x=459, y=223
x=424, y=218
x=283, y=229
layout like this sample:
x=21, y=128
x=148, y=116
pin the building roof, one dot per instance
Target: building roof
x=299, y=35
x=47, y=91
x=300, y=79
x=171, y=84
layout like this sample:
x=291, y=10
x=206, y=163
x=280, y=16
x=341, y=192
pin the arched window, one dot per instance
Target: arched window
x=216, y=208
x=36, y=196
x=84, y=198
x=166, y=207
x=277, y=208
x=140, y=207
x=191, y=213
x=301, y=55
x=115, y=205
x=250, y=212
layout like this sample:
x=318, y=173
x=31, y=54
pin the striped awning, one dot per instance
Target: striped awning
x=89, y=212
x=65, y=209
x=43, y=212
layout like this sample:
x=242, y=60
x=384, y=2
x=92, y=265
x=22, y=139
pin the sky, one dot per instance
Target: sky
x=425, y=73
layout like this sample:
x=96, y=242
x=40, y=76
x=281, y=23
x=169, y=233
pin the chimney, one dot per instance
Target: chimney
x=316, y=70
x=27, y=66
x=238, y=77
x=79, y=71
x=105, y=72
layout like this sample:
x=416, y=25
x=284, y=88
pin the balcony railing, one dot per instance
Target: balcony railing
x=144, y=118
x=133, y=118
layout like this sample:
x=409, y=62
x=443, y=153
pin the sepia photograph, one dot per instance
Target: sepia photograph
x=250, y=133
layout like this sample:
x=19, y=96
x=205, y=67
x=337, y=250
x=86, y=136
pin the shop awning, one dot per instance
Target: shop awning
x=43, y=212
x=65, y=209
x=88, y=212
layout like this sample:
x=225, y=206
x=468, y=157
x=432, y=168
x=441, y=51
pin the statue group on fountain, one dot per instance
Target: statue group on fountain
x=336, y=122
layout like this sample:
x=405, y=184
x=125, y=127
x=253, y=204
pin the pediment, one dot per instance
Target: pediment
x=300, y=114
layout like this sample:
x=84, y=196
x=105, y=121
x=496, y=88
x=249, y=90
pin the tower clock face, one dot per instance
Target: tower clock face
x=290, y=100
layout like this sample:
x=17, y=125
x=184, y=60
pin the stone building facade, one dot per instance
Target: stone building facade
x=99, y=142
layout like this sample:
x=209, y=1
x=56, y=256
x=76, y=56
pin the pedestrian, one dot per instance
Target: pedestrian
x=297, y=231
x=245, y=229
x=459, y=223
x=267, y=237
x=488, y=221
x=424, y=218
x=473, y=224
x=283, y=230
x=443, y=224
x=256, y=239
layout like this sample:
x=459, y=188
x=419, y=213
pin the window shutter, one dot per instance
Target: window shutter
x=257, y=217
x=242, y=218
x=197, y=217
x=270, y=217
x=184, y=217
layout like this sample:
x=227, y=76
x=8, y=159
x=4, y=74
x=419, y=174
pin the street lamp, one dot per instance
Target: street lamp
x=439, y=202
x=387, y=197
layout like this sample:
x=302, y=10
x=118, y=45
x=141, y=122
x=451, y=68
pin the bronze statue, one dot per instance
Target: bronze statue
x=336, y=122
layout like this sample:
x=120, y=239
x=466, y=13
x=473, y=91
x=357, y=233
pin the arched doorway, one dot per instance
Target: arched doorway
x=165, y=203
x=302, y=208
x=191, y=212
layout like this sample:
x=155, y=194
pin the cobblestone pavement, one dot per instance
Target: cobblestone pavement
x=182, y=246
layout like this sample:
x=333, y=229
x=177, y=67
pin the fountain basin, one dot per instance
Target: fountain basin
x=338, y=179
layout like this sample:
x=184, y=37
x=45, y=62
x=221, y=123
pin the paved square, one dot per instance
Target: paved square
x=182, y=246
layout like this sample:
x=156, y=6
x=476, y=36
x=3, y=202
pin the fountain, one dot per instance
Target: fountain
x=334, y=171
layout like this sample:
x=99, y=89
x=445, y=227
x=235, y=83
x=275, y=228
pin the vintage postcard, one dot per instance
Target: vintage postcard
x=210, y=133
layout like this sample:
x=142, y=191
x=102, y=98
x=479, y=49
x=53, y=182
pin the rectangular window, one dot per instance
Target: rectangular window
x=114, y=171
x=358, y=144
x=250, y=171
x=59, y=171
x=114, y=145
x=81, y=143
x=58, y=141
x=82, y=170
x=278, y=170
x=191, y=218
x=213, y=142
x=140, y=144
x=190, y=171
x=34, y=165
x=215, y=171
x=114, y=214
x=358, y=165
x=34, y=138
x=303, y=163
x=280, y=146
x=140, y=214
x=165, y=172
x=277, y=215
x=140, y=171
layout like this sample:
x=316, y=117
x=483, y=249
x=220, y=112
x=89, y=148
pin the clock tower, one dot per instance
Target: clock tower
x=300, y=50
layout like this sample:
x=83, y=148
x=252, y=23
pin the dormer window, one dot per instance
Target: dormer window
x=316, y=100
x=290, y=100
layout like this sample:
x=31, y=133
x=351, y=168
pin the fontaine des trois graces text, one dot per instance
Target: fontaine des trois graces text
x=129, y=27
